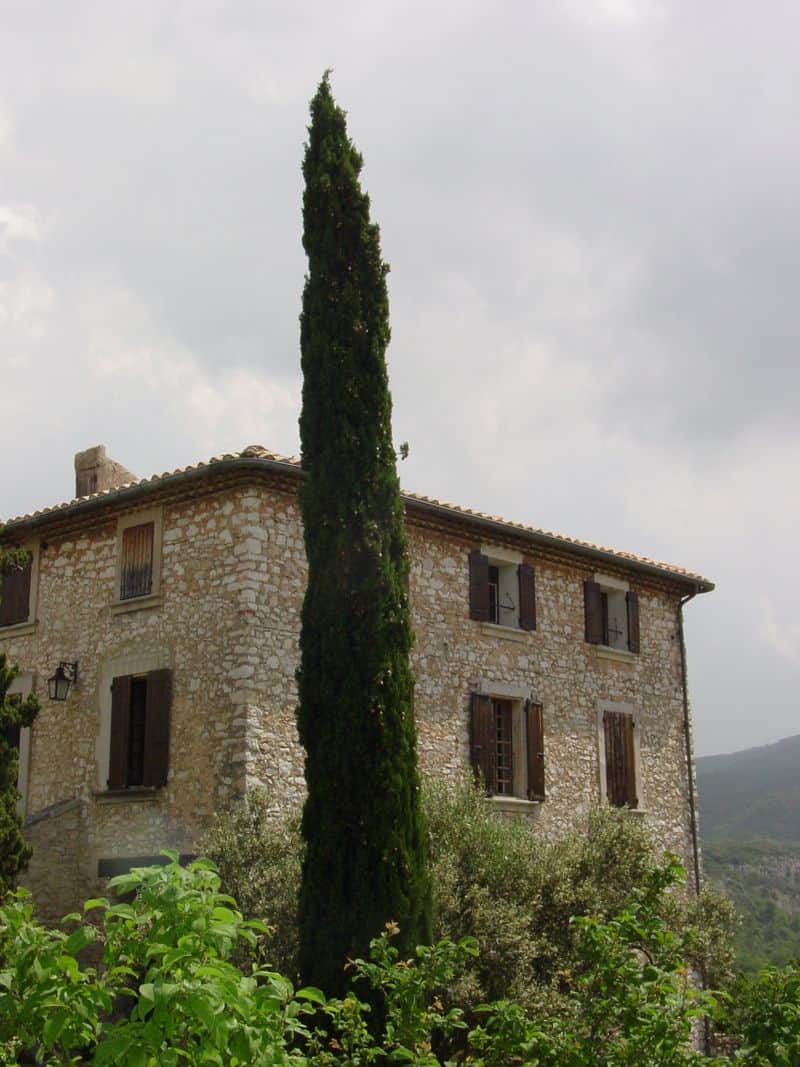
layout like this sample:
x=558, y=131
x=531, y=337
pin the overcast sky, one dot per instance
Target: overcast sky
x=591, y=212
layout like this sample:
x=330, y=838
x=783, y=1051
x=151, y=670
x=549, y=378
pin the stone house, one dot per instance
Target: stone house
x=169, y=610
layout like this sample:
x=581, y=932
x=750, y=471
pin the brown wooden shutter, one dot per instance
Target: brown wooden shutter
x=478, y=586
x=593, y=613
x=482, y=749
x=136, y=570
x=120, y=725
x=632, y=600
x=527, y=597
x=156, y=729
x=534, y=722
x=15, y=594
x=630, y=763
x=620, y=759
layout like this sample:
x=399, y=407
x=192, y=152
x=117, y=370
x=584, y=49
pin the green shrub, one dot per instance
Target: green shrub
x=166, y=972
x=258, y=853
x=760, y=1017
x=169, y=991
x=495, y=880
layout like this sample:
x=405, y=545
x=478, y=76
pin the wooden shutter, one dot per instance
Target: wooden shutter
x=136, y=570
x=620, y=759
x=156, y=729
x=478, y=586
x=594, y=614
x=482, y=740
x=15, y=594
x=630, y=763
x=527, y=597
x=534, y=724
x=632, y=600
x=120, y=725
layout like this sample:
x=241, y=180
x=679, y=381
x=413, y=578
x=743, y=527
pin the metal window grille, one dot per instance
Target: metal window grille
x=505, y=758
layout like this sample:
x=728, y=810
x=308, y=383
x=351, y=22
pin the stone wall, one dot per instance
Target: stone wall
x=454, y=655
x=226, y=621
x=196, y=627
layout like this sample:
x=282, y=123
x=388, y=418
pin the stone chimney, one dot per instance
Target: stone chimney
x=94, y=472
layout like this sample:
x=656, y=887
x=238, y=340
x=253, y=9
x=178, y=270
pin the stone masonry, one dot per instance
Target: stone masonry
x=225, y=620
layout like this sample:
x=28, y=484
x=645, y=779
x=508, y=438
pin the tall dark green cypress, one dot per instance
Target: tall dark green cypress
x=365, y=860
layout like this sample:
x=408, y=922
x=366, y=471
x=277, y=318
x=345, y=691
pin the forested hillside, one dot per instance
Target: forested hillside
x=751, y=795
x=750, y=824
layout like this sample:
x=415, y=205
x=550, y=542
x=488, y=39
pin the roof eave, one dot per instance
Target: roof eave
x=259, y=464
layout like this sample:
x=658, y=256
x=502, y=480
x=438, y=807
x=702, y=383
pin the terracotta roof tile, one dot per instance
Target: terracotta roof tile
x=259, y=452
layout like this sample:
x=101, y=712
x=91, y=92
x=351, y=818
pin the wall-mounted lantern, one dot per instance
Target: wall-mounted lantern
x=59, y=685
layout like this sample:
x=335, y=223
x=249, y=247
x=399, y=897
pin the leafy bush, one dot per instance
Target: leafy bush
x=258, y=852
x=169, y=993
x=761, y=1014
x=495, y=880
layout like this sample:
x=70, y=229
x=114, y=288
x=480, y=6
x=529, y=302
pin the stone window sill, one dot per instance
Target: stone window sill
x=505, y=633
x=617, y=655
x=515, y=805
x=19, y=629
x=137, y=603
x=123, y=796
x=625, y=808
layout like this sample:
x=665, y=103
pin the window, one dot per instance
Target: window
x=136, y=567
x=138, y=580
x=611, y=612
x=618, y=763
x=501, y=591
x=15, y=594
x=507, y=746
x=140, y=707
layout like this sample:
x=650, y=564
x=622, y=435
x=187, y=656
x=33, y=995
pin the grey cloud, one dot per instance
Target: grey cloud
x=590, y=213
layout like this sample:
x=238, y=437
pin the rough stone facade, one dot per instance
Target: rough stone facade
x=225, y=620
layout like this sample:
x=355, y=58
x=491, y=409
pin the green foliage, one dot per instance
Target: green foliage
x=495, y=881
x=166, y=972
x=633, y=989
x=763, y=1012
x=258, y=853
x=14, y=713
x=365, y=857
x=168, y=992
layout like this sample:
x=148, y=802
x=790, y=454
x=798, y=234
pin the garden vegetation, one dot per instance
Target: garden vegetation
x=587, y=953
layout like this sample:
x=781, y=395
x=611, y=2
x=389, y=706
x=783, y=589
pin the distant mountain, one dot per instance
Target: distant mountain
x=750, y=825
x=751, y=795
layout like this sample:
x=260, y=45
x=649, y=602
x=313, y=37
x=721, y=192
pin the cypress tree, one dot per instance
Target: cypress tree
x=365, y=861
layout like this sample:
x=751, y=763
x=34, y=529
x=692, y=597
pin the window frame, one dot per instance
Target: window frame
x=512, y=569
x=620, y=709
x=523, y=707
x=156, y=724
x=132, y=664
x=28, y=625
x=608, y=585
x=153, y=598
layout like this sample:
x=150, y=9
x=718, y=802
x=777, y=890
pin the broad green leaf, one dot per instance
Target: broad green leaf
x=311, y=993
